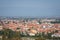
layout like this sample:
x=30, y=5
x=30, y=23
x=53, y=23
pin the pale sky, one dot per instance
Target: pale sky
x=32, y=8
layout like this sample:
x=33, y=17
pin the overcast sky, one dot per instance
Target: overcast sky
x=32, y=8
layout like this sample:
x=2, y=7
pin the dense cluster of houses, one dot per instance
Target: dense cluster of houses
x=30, y=27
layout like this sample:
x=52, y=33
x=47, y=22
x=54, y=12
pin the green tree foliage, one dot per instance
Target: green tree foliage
x=10, y=35
x=1, y=32
x=55, y=21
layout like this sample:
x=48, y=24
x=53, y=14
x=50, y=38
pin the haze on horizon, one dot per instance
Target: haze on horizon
x=30, y=8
